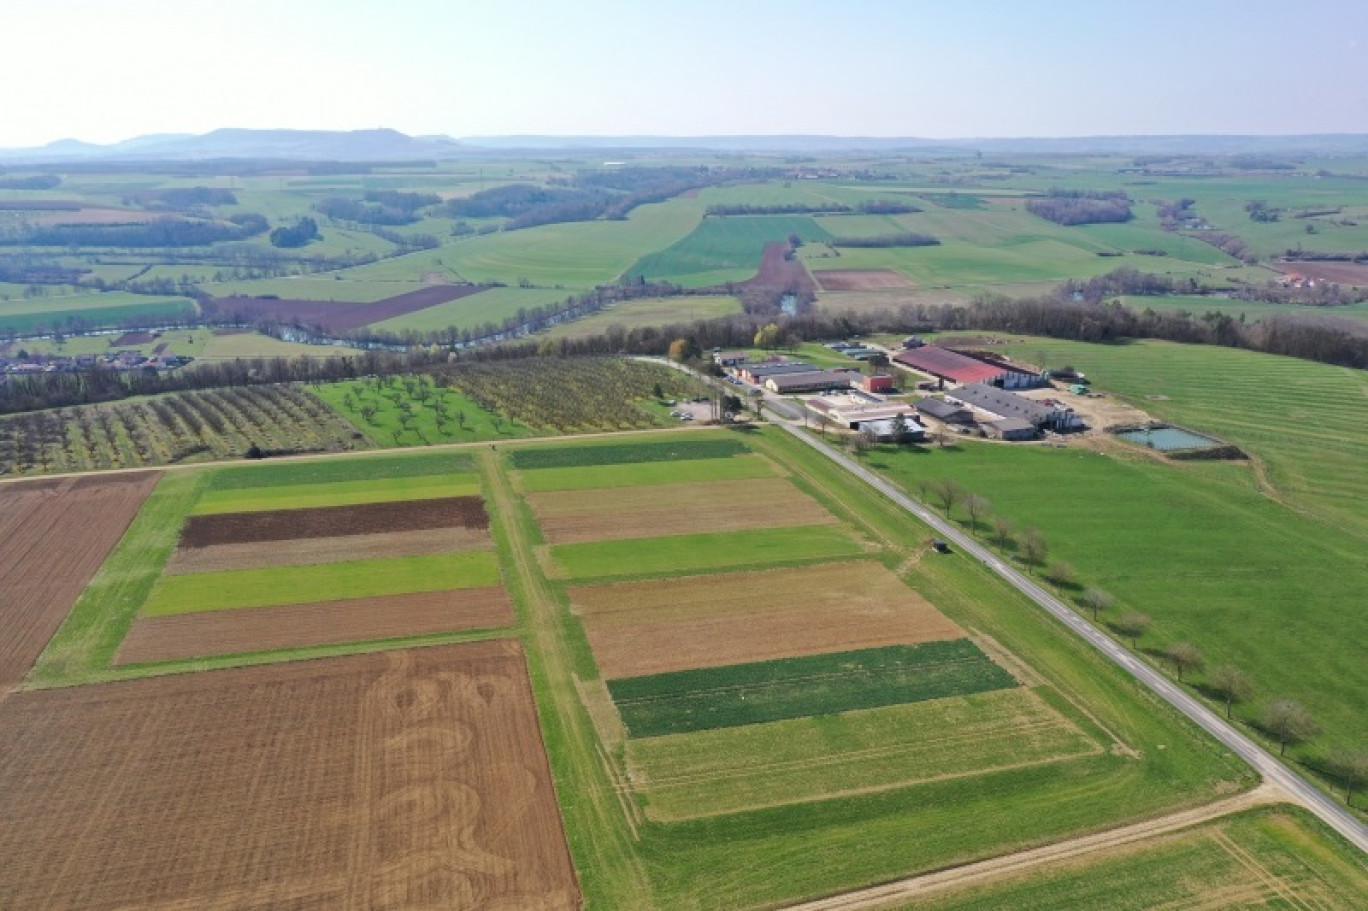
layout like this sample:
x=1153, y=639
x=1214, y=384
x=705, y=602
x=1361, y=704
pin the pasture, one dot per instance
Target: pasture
x=92, y=311
x=648, y=312
x=414, y=412
x=724, y=249
x=336, y=493
x=293, y=784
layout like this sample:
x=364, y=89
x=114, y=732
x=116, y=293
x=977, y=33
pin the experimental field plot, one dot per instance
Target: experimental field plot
x=376, y=781
x=314, y=555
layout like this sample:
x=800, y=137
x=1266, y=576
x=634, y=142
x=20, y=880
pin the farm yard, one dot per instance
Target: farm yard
x=305, y=784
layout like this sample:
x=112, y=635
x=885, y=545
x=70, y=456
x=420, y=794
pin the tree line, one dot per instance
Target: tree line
x=1081, y=207
x=903, y=239
x=167, y=231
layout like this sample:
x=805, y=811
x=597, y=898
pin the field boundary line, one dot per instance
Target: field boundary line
x=899, y=891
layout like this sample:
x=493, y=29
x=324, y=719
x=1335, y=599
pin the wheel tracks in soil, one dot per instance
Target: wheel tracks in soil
x=899, y=892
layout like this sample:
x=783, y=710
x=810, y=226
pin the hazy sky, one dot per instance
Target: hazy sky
x=104, y=70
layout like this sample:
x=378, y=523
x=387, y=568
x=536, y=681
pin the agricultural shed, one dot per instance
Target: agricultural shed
x=883, y=429
x=758, y=373
x=881, y=382
x=810, y=381
x=944, y=364
x=1004, y=404
x=729, y=358
x=1011, y=429
x=944, y=411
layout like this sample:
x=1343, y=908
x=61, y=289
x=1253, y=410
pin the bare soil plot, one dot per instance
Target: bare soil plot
x=861, y=279
x=53, y=537
x=132, y=338
x=1341, y=273
x=573, y=516
x=401, y=779
x=334, y=521
x=320, y=623
x=640, y=628
x=334, y=316
x=777, y=273
x=304, y=551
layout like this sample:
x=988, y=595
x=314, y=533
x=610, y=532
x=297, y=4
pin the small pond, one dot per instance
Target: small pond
x=1168, y=439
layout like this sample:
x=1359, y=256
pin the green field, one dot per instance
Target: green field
x=640, y=314
x=645, y=474
x=337, y=493
x=724, y=249
x=91, y=311
x=389, y=416
x=249, y=588
x=678, y=450
x=331, y=471
x=728, y=770
x=492, y=306
x=692, y=553
x=1263, y=858
x=742, y=694
x=1250, y=310
x=327, y=287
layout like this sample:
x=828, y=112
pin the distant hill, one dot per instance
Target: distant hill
x=391, y=145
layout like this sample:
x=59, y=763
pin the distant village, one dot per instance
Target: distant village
x=17, y=361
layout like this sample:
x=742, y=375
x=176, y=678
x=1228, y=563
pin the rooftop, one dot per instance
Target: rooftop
x=948, y=364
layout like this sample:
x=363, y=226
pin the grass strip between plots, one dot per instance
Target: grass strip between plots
x=690, y=553
x=740, y=694
x=645, y=474
x=728, y=770
x=626, y=453
x=326, y=582
x=332, y=471
x=341, y=493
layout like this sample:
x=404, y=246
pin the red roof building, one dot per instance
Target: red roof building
x=949, y=365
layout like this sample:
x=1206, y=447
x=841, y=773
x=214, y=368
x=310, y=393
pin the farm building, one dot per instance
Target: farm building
x=850, y=409
x=729, y=358
x=1011, y=429
x=885, y=429
x=758, y=373
x=1004, y=404
x=947, y=365
x=810, y=381
x=944, y=411
x=880, y=382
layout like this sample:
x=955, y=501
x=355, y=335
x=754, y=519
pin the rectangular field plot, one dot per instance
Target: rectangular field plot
x=199, y=635
x=643, y=474
x=53, y=537
x=336, y=471
x=696, y=553
x=640, y=628
x=747, y=694
x=340, y=493
x=334, y=521
x=304, y=551
x=369, y=781
x=626, y=453
x=571, y=516
x=1259, y=859
x=273, y=586
x=729, y=770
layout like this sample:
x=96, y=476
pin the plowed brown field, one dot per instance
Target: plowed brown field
x=569, y=516
x=303, y=551
x=334, y=521
x=401, y=779
x=1341, y=273
x=261, y=629
x=334, y=316
x=53, y=537
x=638, y=628
x=861, y=279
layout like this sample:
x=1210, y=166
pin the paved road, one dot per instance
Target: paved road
x=1273, y=769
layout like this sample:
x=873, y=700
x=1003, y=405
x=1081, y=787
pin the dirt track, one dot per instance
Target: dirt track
x=260, y=629
x=898, y=894
x=333, y=521
x=54, y=535
x=403, y=779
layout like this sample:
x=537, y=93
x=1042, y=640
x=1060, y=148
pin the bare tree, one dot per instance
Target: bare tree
x=1350, y=767
x=1184, y=657
x=1033, y=546
x=1097, y=600
x=1133, y=626
x=823, y=422
x=1232, y=684
x=1288, y=721
x=924, y=488
x=1002, y=530
x=950, y=493
x=976, y=506
x=1060, y=572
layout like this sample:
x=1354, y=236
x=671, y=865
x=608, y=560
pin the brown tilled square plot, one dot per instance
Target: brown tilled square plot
x=861, y=279
x=395, y=780
x=638, y=628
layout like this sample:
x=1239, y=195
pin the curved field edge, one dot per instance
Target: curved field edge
x=765, y=858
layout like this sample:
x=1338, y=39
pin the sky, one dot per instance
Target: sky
x=107, y=70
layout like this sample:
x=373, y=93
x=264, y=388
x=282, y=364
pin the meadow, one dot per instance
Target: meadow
x=92, y=311
x=336, y=493
x=724, y=249
x=393, y=414
x=647, y=312
x=676, y=450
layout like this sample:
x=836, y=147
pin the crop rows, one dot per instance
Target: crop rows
x=626, y=453
x=719, y=697
x=216, y=424
x=570, y=395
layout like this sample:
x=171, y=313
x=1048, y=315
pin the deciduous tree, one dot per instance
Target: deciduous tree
x=1231, y=684
x=1033, y=546
x=1184, y=657
x=1133, y=626
x=977, y=507
x=1349, y=766
x=1288, y=721
x=1097, y=600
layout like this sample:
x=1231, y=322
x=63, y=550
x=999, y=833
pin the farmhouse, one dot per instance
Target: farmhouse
x=944, y=411
x=1005, y=404
x=947, y=365
x=809, y=381
x=729, y=358
x=1011, y=429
